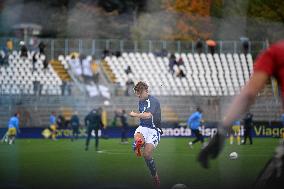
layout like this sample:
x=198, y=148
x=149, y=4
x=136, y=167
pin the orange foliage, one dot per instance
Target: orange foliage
x=194, y=18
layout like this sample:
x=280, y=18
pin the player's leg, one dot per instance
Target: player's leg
x=238, y=133
x=126, y=135
x=250, y=135
x=77, y=132
x=232, y=133
x=148, y=151
x=4, y=137
x=200, y=136
x=89, y=134
x=245, y=136
x=139, y=140
x=197, y=135
x=97, y=138
x=122, y=135
x=151, y=143
x=13, y=135
x=73, y=133
x=53, y=131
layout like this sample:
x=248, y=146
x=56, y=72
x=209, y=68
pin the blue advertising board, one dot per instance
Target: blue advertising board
x=260, y=129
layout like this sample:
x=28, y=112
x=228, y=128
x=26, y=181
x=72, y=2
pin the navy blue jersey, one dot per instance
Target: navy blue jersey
x=151, y=105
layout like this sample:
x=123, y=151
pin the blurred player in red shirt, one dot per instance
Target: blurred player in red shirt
x=269, y=64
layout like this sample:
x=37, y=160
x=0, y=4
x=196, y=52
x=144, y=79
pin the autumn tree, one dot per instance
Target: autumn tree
x=193, y=18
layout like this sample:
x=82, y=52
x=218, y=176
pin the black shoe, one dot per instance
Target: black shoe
x=86, y=148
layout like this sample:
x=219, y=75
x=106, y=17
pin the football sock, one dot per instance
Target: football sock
x=151, y=165
x=239, y=139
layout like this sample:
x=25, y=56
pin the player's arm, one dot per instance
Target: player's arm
x=247, y=97
x=144, y=115
x=240, y=105
x=189, y=121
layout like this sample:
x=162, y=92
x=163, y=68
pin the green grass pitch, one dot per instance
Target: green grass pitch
x=39, y=163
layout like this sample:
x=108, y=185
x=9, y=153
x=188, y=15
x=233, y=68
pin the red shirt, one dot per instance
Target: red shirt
x=271, y=62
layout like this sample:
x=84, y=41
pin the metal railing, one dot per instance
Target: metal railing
x=59, y=46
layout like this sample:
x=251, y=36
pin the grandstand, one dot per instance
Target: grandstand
x=206, y=74
x=21, y=74
x=210, y=82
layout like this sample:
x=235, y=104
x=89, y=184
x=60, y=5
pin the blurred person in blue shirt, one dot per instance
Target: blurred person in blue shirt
x=13, y=128
x=194, y=122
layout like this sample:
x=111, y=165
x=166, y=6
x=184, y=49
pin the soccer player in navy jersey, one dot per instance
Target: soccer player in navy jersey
x=147, y=135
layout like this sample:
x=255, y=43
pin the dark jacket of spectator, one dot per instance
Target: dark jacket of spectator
x=24, y=51
x=128, y=70
x=41, y=47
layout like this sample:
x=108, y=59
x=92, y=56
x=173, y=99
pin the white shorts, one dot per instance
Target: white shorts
x=151, y=136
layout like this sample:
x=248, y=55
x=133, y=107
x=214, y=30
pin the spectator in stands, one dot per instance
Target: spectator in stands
x=86, y=68
x=37, y=86
x=129, y=87
x=164, y=53
x=2, y=58
x=117, y=54
x=245, y=44
x=75, y=124
x=180, y=73
x=211, y=44
x=32, y=45
x=34, y=60
x=105, y=53
x=24, y=49
x=9, y=46
x=75, y=64
x=199, y=46
x=172, y=62
x=128, y=70
x=45, y=63
x=41, y=47
x=180, y=62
